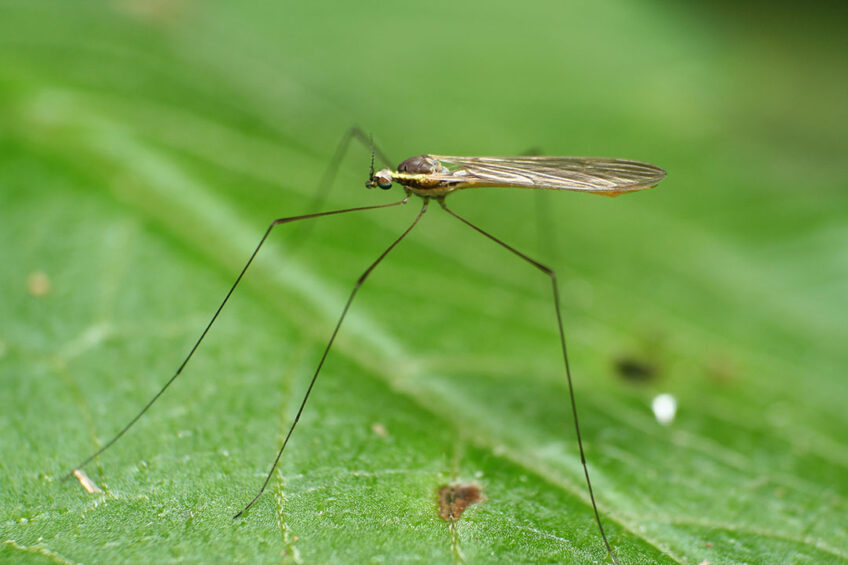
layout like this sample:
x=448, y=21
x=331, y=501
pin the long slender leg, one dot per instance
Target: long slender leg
x=356, y=287
x=322, y=191
x=275, y=223
x=550, y=272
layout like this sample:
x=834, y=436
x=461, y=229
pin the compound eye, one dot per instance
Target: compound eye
x=383, y=179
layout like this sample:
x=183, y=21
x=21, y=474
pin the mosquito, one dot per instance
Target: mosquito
x=435, y=177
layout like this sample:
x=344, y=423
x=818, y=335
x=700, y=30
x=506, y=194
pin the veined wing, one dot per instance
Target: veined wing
x=587, y=174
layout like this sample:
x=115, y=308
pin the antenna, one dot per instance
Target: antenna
x=373, y=151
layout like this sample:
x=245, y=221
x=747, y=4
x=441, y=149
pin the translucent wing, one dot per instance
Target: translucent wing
x=587, y=174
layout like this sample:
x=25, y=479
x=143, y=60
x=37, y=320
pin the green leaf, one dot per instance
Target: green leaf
x=145, y=147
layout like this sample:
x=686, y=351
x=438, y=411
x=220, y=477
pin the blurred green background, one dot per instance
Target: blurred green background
x=145, y=146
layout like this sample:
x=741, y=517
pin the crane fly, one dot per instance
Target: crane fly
x=434, y=177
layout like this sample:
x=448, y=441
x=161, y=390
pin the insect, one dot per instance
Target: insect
x=434, y=178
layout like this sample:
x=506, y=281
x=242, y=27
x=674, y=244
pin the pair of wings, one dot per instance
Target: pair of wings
x=587, y=174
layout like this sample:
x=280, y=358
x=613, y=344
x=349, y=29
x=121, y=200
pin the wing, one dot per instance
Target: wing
x=587, y=174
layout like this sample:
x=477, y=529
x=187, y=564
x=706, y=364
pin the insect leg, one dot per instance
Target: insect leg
x=356, y=287
x=179, y=370
x=550, y=272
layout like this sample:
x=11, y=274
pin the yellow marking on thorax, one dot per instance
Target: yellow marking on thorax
x=423, y=184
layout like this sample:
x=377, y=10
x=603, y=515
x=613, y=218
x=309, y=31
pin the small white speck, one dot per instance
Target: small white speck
x=665, y=408
x=478, y=475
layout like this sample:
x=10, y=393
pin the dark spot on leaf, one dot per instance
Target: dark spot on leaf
x=635, y=369
x=454, y=499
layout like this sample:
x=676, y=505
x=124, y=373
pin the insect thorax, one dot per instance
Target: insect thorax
x=422, y=164
x=424, y=175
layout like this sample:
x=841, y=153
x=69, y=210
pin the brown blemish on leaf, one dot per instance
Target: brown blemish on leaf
x=721, y=369
x=454, y=499
x=38, y=284
x=379, y=429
